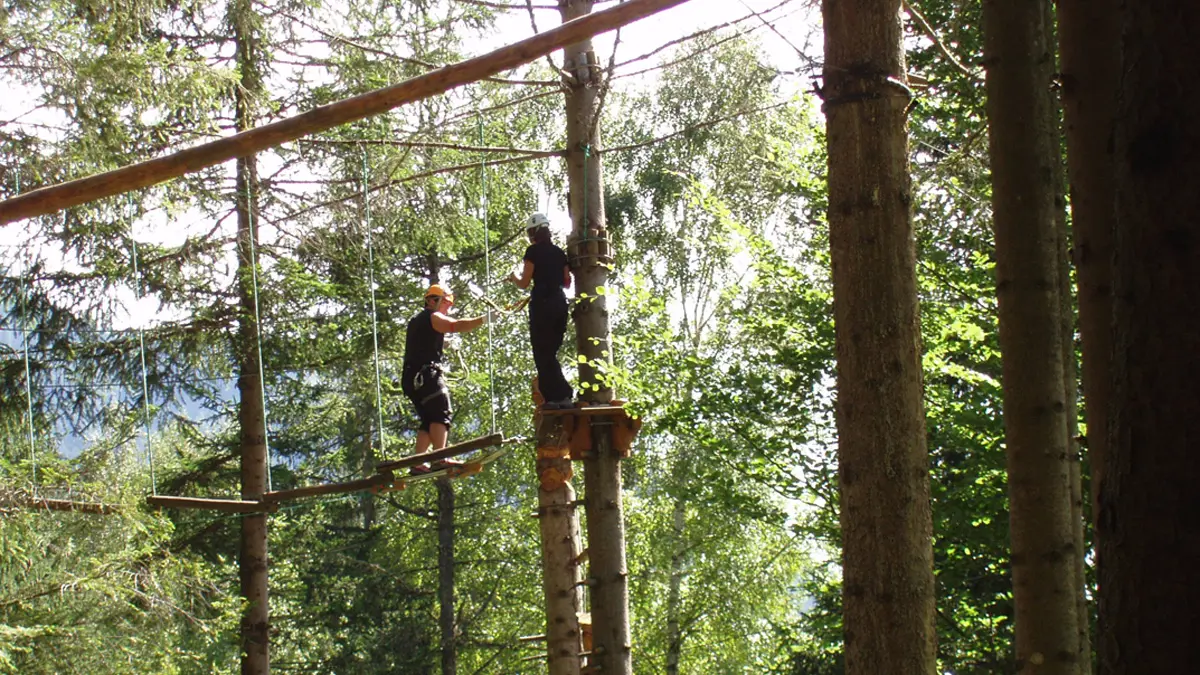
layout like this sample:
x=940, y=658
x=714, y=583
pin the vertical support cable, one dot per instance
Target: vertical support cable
x=142, y=348
x=366, y=203
x=487, y=266
x=262, y=379
x=25, y=333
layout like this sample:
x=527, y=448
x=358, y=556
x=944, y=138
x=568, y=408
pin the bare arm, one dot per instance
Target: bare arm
x=522, y=280
x=445, y=324
x=567, y=276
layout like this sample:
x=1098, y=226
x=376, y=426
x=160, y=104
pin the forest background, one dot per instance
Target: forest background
x=119, y=335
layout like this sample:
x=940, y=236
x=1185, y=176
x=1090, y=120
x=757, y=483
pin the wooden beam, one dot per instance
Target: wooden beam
x=225, y=505
x=382, y=479
x=445, y=453
x=27, y=502
x=64, y=195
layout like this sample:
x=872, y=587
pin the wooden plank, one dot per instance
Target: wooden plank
x=329, y=488
x=64, y=195
x=225, y=505
x=445, y=453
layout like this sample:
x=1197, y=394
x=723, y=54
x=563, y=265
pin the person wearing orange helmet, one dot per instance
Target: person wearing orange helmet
x=423, y=381
x=546, y=267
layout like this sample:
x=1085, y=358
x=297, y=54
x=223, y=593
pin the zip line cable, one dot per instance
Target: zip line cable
x=366, y=204
x=262, y=379
x=487, y=266
x=142, y=351
x=25, y=291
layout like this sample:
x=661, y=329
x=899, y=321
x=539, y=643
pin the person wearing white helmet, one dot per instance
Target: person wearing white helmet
x=422, y=379
x=546, y=267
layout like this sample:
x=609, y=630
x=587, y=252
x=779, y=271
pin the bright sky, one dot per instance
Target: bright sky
x=794, y=28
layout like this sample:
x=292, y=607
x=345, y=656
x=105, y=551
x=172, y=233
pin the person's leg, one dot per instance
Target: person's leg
x=545, y=338
x=423, y=441
x=547, y=334
x=437, y=435
x=558, y=331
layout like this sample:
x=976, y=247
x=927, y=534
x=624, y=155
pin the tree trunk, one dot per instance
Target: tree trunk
x=1089, y=46
x=446, y=620
x=675, y=585
x=612, y=648
x=253, y=561
x=369, y=460
x=559, y=524
x=1024, y=146
x=1071, y=402
x=887, y=566
x=1089, y=49
x=1075, y=475
x=1067, y=325
x=1149, y=500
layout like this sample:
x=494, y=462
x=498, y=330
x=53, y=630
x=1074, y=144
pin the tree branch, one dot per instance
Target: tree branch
x=921, y=23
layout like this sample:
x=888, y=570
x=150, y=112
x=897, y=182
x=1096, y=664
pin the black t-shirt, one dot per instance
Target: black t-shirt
x=548, y=263
x=423, y=344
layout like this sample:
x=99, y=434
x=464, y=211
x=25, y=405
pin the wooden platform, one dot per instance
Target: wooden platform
x=385, y=479
x=570, y=429
x=223, y=505
x=456, y=471
x=445, y=453
x=370, y=483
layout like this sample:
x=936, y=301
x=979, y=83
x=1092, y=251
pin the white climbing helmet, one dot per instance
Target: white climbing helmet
x=536, y=222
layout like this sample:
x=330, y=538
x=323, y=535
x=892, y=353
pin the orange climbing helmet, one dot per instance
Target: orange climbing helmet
x=439, y=291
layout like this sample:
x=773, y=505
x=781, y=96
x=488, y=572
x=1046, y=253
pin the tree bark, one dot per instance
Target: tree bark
x=612, y=648
x=369, y=460
x=887, y=568
x=674, y=588
x=1089, y=53
x=446, y=616
x=1149, y=501
x=253, y=561
x=1074, y=459
x=1089, y=47
x=1067, y=319
x=559, y=524
x=1024, y=149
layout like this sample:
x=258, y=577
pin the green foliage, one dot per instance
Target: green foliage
x=106, y=593
x=723, y=344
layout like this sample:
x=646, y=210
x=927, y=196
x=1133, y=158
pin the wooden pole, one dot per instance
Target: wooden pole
x=445, y=453
x=64, y=195
x=225, y=505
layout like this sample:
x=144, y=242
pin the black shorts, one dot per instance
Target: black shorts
x=427, y=390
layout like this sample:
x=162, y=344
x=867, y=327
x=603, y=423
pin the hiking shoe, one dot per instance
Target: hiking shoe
x=446, y=464
x=564, y=404
x=419, y=470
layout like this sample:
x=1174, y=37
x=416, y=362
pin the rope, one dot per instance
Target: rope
x=262, y=380
x=142, y=347
x=487, y=266
x=25, y=333
x=366, y=202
